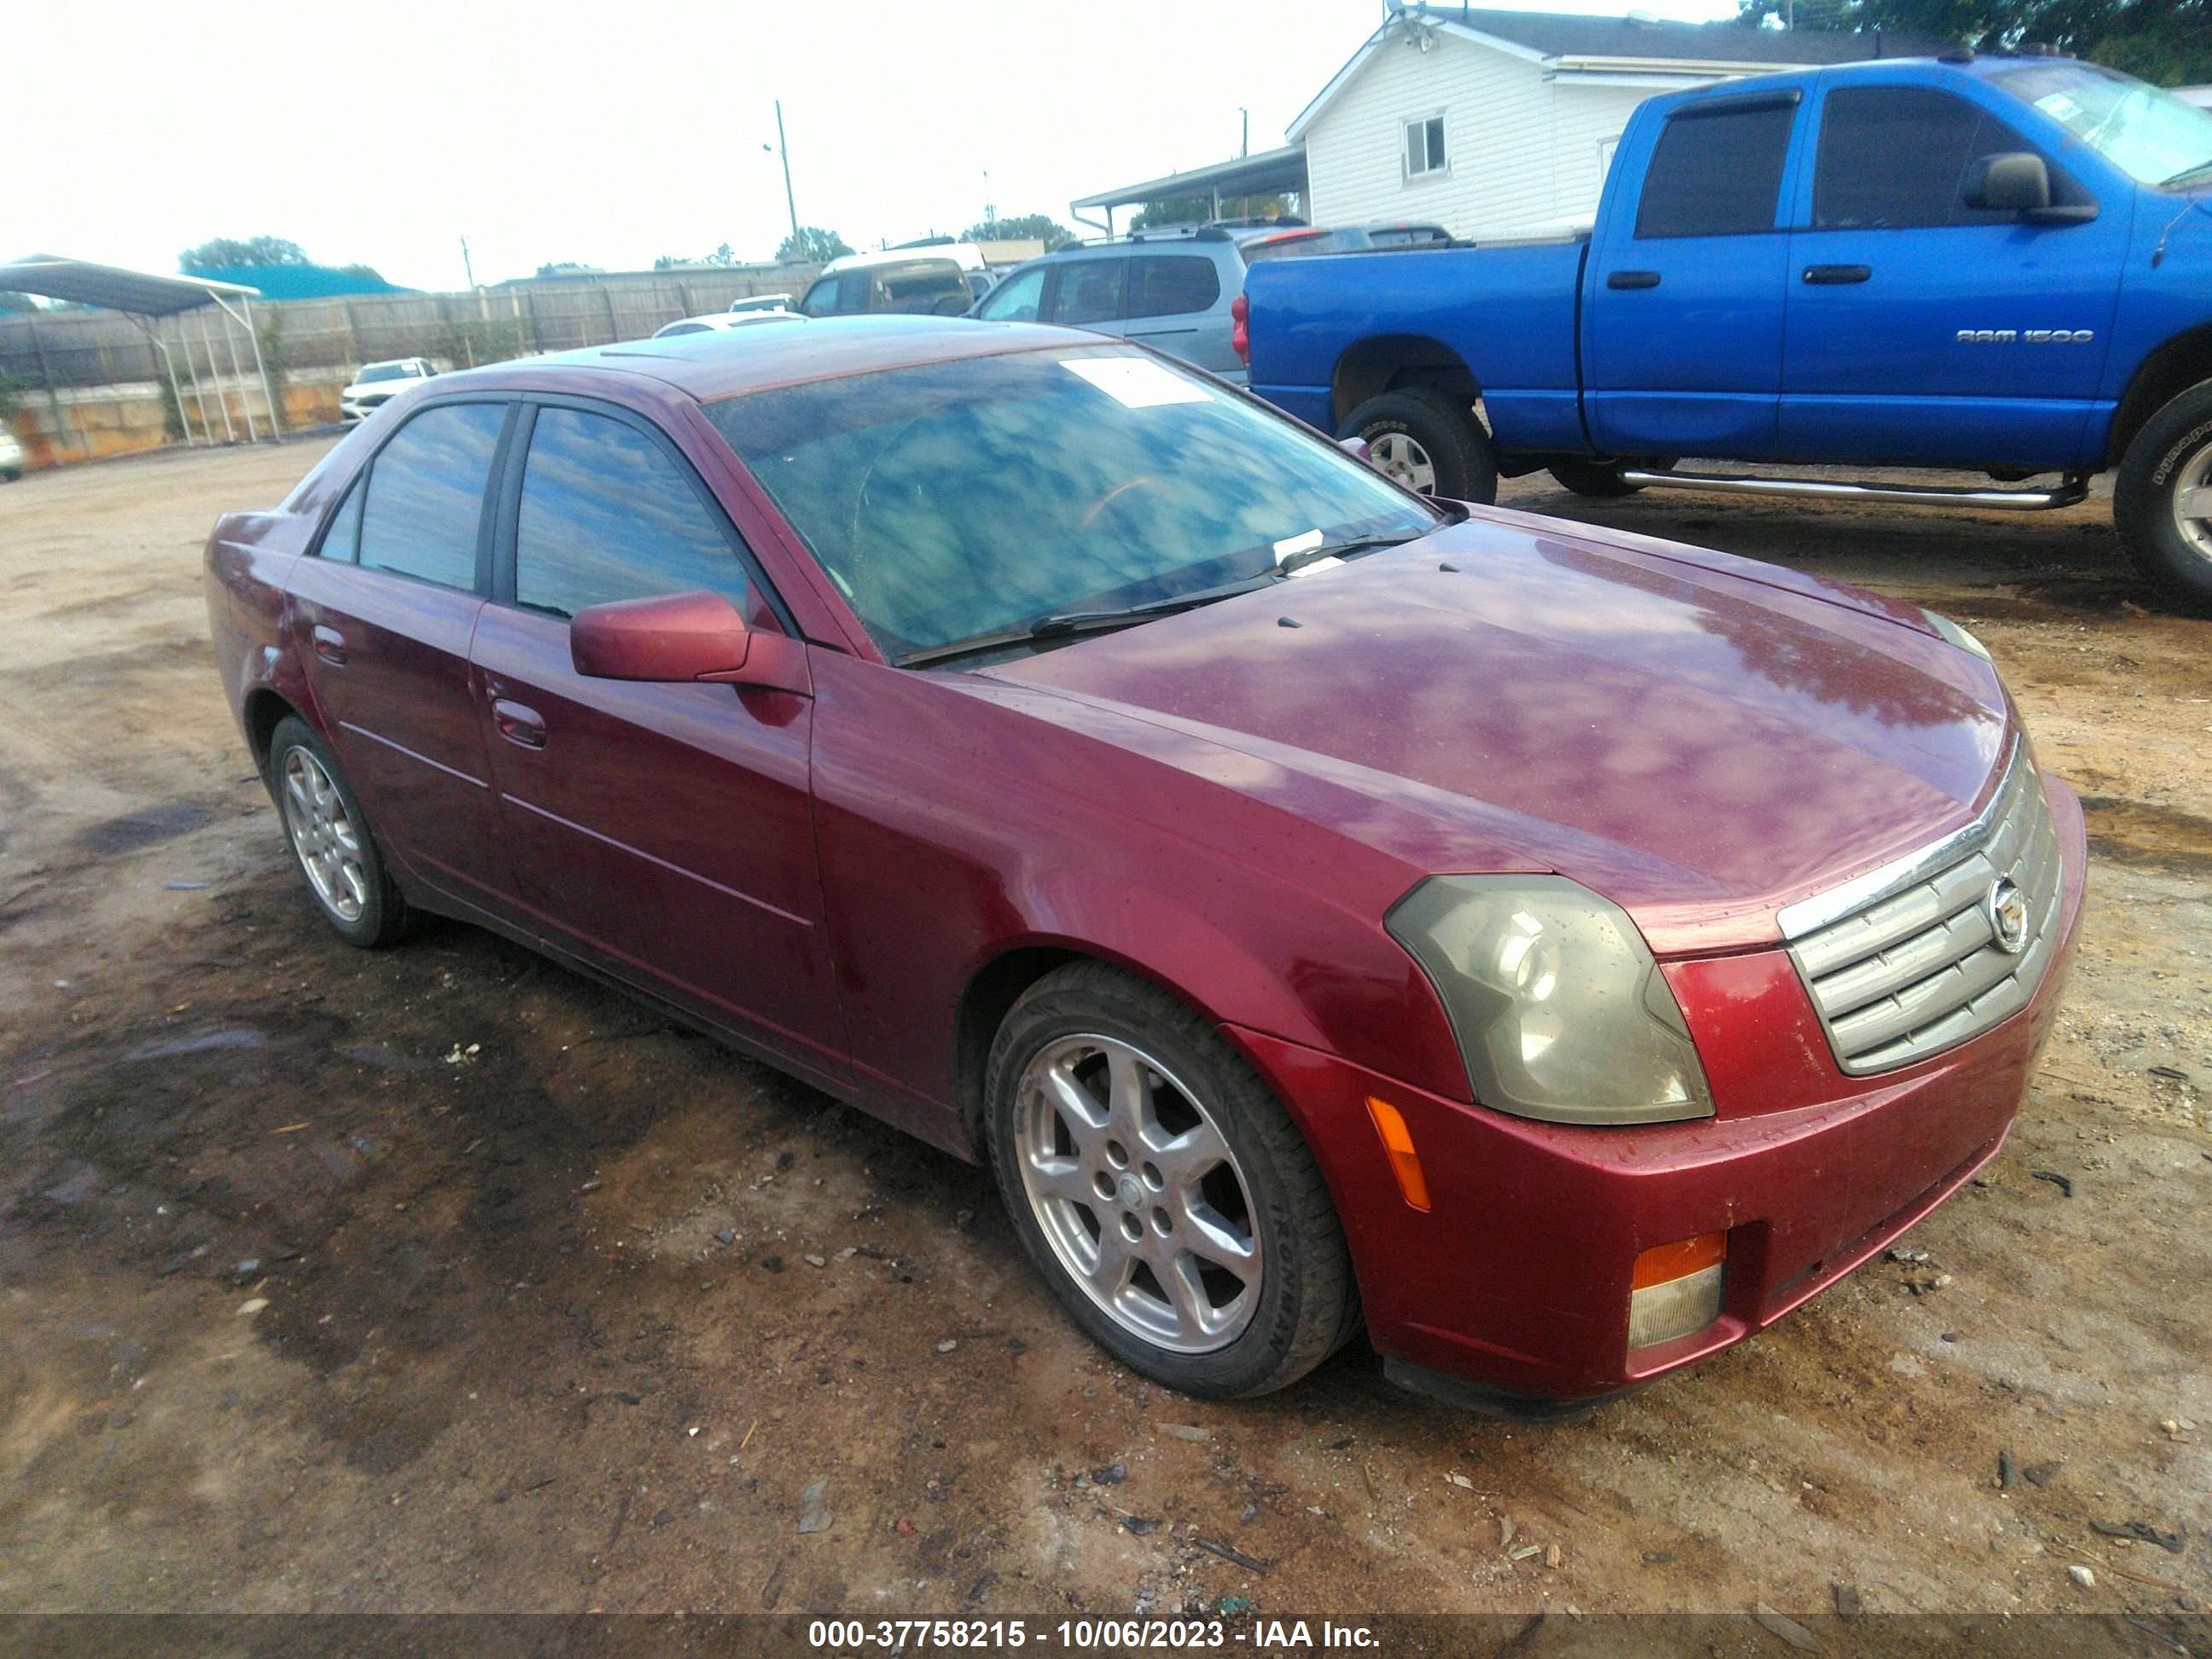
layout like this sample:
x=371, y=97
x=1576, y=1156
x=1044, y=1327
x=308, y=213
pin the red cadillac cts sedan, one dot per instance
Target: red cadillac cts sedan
x=1556, y=952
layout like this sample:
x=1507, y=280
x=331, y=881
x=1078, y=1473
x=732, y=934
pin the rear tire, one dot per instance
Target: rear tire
x=1430, y=441
x=2162, y=500
x=331, y=840
x=1130, y=1144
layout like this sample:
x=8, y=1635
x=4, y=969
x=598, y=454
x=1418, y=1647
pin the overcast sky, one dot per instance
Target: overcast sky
x=612, y=133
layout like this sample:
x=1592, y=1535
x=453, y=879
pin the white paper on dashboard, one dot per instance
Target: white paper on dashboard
x=1136, y=382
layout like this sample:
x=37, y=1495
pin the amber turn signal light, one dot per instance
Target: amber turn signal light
x=1674, y=1290
x=1398, y=1141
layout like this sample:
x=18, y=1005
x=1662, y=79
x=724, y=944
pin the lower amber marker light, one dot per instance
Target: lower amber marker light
x=1398, y=1142
x=1675, y=1288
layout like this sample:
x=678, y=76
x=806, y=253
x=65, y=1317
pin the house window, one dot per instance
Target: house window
x=1425, y=146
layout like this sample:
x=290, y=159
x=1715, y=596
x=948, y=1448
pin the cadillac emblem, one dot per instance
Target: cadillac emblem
x=2009, y=916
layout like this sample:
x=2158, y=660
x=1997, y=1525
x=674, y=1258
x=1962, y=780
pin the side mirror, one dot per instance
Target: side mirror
x=681, y=638
x=2016, y=182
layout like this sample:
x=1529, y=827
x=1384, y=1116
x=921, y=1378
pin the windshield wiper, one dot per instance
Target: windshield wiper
x=1351, y=547
x=1065, y=623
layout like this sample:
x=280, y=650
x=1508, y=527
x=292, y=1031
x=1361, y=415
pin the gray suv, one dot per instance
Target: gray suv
x=1169, y=288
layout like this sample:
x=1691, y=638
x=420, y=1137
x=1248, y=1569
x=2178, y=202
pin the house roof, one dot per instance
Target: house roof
x=1264, y=174
x=1559, y=41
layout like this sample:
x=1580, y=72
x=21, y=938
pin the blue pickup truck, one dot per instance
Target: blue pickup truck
x=1999, y=265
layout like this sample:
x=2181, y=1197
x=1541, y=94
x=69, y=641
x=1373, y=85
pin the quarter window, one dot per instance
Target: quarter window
x=1425, y=146
x=1716, y=173
x=1894, y=158
x=1172, y=285
x=426, y=495
x=342, y=541
x=606, y=515
x=1089, y=291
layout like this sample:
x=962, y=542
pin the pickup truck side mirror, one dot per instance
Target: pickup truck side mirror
x=2019, y=181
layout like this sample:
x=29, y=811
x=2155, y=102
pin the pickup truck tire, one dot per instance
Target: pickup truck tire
x=2162, y=500
x=1428, y=441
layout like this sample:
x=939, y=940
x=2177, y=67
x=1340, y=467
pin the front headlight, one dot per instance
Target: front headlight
x=1955, y=634
x=1560, y=1009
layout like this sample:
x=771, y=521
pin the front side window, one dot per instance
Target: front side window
x=1716, y=171
x=2149, y=134
x=606, y=515
x=957, y=499
x=1017, y=299
x=426, y=495
x=1895, y=158
x=1089, y=291
x=821, y=300
x=1172, y=284
x=1425, y=146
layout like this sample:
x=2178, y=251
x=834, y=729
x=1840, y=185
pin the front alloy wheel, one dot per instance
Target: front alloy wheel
x=1137, y=1194
x=1167, y=1199
x=2162, y=498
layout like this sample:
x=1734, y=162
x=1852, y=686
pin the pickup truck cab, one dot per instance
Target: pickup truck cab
x=1999, y=265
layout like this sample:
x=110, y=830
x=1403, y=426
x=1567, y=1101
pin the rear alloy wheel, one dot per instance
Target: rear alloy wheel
x=330, y=838
x=2162, y=500
x=1429, y=441
x=1160, y=1189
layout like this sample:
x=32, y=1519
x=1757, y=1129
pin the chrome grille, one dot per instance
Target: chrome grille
x=1910, y=964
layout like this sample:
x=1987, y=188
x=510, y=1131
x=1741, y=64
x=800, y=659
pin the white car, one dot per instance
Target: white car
x=11, y=455
x=719, y=320
x=379, y=383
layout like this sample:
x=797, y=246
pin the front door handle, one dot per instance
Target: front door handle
x=1832, y=276
x=1632, y=279
x=330, y=645
x=519, y=725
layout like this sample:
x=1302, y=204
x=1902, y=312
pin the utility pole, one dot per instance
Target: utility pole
x=1244, y=144
x=467, y=266
x=789, y=201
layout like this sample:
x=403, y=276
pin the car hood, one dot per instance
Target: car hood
x=1703, y=740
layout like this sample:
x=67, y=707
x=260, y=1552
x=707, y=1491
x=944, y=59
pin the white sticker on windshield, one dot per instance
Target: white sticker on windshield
x=1137, y=382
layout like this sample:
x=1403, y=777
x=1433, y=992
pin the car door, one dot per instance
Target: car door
x=1924, y=331
x=1683, y=290
x=1174, y=303
x=382, y=617
x=664, y=832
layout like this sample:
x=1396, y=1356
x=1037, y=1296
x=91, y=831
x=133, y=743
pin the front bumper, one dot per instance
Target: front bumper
x=1517, y=1277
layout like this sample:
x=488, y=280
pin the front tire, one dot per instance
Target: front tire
x=2162, y=500
x=331, y=839
x=1160, y=1189
x=1429, y=441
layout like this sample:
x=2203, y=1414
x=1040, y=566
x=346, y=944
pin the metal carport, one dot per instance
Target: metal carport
x=1270, y=172
x=146, y=298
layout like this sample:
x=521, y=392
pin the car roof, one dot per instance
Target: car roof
x=731, y=362
x=727, y=319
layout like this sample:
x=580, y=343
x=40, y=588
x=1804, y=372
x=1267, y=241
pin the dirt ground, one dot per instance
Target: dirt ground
x=441, y=1279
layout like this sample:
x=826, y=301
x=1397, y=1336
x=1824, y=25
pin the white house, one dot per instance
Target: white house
x=1500, y=123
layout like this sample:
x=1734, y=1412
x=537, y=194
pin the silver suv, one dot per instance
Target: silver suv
x=1170, y=288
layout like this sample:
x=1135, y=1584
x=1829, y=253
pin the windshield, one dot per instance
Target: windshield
x=2149, y=134
x=953, y=500
x=387, y=372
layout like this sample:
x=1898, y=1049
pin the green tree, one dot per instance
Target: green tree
x=1197, y=209
x=223, y=252
x=813, y=245
x=720, y=256
x=1029, y=227
x=2166, y=42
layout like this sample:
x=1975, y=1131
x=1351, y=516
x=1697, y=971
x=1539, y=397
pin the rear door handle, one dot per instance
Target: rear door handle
x=1836, y=274
x=330, y=645
x=519, y=725
x=1632, y=279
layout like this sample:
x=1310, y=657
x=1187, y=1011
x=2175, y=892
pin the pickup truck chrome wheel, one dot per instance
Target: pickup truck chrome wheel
x=1399, y=457
x=324, y=837
x=2192, y=503
x=1137, y=1194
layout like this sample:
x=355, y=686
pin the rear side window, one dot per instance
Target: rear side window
x=342, y=540
x=1089, y=291
x=426, y=495
x=607, y=514
x=1716, y=173
x=1895, y=158
x=1171, y=285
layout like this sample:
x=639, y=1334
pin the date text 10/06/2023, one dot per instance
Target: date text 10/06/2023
x=1083, y=1635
